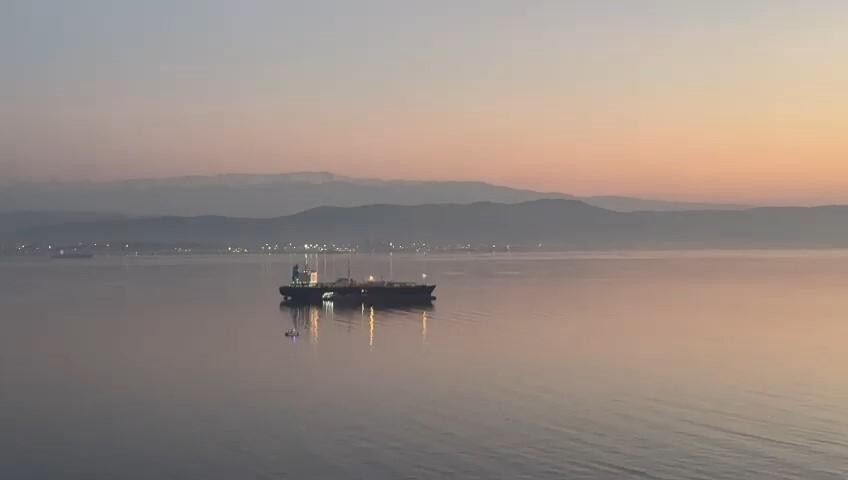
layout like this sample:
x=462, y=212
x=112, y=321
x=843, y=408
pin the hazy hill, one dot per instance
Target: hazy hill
x=556, y=223
x=268, y=196
x=12, y=222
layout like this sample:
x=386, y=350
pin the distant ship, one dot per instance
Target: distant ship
x=62, y=253
x=305, y=288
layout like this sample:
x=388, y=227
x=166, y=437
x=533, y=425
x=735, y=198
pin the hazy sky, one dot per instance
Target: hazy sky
x=725, y=100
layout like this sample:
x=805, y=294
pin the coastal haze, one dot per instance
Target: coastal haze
x=265, y=196
x=222, y=226
x=539, y=224
x=253, y=212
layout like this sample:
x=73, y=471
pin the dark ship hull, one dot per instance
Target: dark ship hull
x=366, y=293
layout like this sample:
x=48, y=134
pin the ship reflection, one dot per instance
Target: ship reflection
x=371, y=324
x=307, y=318
x=402, y=306
x=424, y=326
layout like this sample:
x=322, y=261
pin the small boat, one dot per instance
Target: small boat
x=292, y=333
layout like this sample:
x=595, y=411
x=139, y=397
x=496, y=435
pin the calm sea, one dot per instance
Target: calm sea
x=699, y=365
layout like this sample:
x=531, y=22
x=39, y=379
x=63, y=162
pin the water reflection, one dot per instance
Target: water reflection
x=612, y=368
x=371, y=327
x=424, y=327
x=307, y=318
x=314, y=321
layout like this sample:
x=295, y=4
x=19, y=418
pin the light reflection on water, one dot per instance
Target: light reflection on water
x=703, y=366
x=308, y=318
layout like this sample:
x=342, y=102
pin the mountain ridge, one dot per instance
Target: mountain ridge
x=559, y=223
x=268, y=196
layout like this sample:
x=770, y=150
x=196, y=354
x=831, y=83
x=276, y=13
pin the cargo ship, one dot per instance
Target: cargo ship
x=306, y=289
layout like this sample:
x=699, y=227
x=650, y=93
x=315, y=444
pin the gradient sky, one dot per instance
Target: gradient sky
x=743, y=101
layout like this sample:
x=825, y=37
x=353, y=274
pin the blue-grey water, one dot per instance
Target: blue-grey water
x=700, y=365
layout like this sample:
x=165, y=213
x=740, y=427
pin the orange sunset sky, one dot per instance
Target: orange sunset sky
x=733, y=101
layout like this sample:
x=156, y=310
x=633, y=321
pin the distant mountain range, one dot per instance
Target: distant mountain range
x=268, y=196
x=13, y=222
x=556, y=223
